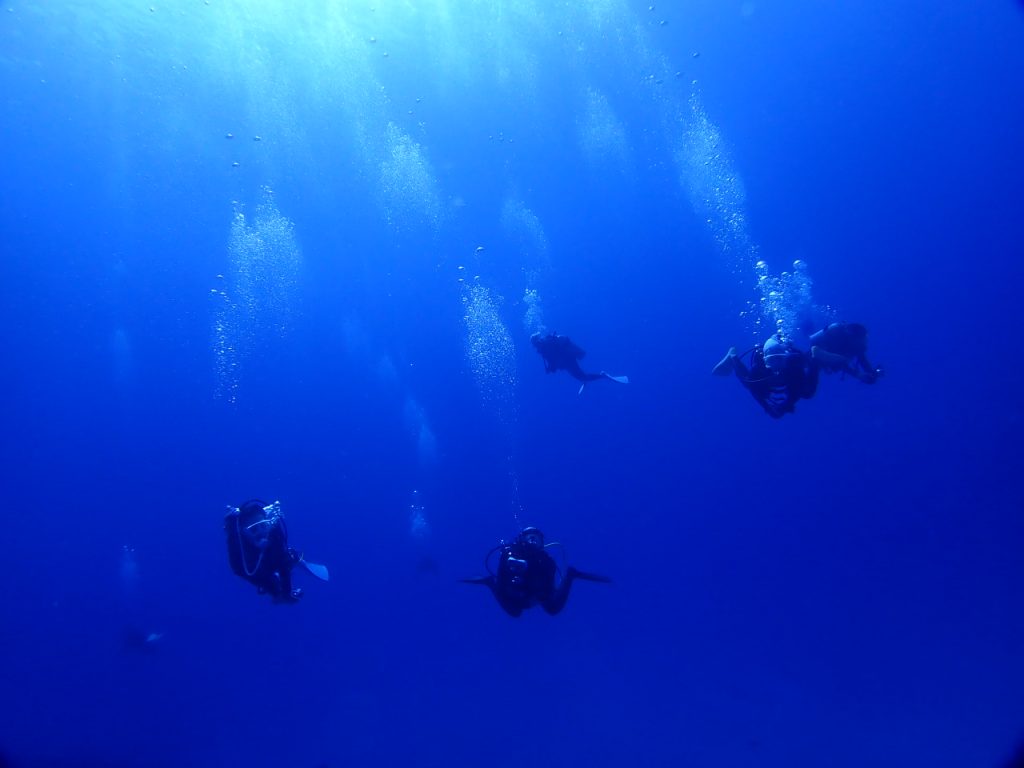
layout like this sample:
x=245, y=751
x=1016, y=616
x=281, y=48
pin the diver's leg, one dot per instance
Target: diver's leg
x=286, y=580
x=811, y=374
x=762, y=393
x=273, y=586
x=510, y=606
x=556, y=602
x=283, y=591
x=727, y=363
x=580, y=375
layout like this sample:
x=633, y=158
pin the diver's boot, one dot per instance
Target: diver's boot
x=727, y=365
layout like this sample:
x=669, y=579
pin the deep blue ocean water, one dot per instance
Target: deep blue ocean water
x=295, y=251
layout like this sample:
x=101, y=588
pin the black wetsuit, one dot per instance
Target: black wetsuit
x=528, y=576
x=561, y=354
x=258, y=551
x=842, y=339
x=778, y=390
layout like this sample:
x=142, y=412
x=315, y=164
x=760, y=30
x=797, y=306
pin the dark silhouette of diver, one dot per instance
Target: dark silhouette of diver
x=843, y=347
x=778, y=374
x=561, y=354
x=258, y=550
x=528, y=576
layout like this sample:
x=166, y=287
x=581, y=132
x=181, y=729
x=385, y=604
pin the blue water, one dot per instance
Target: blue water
x=332, y=307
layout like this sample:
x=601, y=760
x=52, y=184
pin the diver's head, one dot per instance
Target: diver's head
x=777, y=352
x=535, y=338
x=857, y=331
x=251, y=511
x=257, y=520
x=531, y=537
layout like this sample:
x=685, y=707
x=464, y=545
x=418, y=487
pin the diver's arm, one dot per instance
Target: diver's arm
x=870, y=375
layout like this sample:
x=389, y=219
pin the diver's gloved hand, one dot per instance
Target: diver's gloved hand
x=870, y=377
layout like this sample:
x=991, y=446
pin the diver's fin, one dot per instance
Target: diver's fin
x=620, y=379
x=727, y=364
x=320, y=571
x=581, y=388
x=137, y=640
x=578, y=574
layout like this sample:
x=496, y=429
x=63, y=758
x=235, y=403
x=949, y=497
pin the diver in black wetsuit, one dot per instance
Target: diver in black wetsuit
x=561, y=354
x=843, y=347
x=778, y=375
x=258, y=550
x=528, y=576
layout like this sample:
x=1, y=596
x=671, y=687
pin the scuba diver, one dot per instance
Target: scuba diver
x=258, y=550
x=527, y=575
x=777, y=376
x=561, y=354
x=843, y=347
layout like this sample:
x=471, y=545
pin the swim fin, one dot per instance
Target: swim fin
x=485, y=580
x=320, y=571
x=727, y=364
x=578, y=574
x=620, y=379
